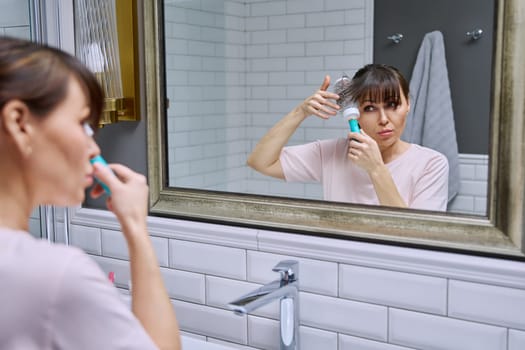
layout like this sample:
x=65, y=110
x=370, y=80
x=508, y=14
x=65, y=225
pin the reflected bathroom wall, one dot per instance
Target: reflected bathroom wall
x=234, y=68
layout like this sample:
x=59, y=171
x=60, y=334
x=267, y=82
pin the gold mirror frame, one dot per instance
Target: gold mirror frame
x=499, y=234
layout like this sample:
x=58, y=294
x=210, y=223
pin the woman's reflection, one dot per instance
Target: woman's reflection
x=373, y=166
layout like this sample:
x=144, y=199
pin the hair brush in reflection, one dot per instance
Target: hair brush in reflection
x=349, y=107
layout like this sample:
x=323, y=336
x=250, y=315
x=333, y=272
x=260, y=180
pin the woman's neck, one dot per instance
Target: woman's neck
x=15, y=204
x=394, y=151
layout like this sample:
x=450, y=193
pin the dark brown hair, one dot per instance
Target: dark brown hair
x=378, y=83
x=38, y=75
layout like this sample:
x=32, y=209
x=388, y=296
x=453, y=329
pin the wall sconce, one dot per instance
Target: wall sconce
x=106, y=41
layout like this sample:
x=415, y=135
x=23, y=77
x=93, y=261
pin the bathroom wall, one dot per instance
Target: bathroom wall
x=236, y=67
x=354, y=295
x=473, y=189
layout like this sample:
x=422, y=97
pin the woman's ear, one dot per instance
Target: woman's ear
x=16, y=125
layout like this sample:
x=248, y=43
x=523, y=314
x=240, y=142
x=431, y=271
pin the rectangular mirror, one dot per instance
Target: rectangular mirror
x=219, y=74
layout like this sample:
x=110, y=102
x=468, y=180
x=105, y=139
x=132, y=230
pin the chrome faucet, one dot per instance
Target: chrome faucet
x=286, y=290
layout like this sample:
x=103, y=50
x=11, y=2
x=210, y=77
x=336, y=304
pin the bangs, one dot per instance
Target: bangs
x=377, y=90
x=379, y=84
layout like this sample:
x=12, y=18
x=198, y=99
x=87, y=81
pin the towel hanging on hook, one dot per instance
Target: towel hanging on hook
x=431, y=118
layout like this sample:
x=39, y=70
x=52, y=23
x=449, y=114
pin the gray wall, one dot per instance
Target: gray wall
x=469, y=62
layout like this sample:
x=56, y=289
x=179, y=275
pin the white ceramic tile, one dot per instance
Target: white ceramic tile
x=320, y=19
x=347, y=342
x=411, y=260
x=184, y=285
x=221, y=291
x=193, y=335
x=344, y=316
x=191, y=343
x=60, y=234
x=35, y=213
x=516, y=340
x=86, y=238
x=315, y=339
x=480, y=205
x=19, y=32
x=304, y=6
x=229, y=344
x=207, y=258
x=34, y=227
x=404, y=290
x=486, y=303
x=264, y=333
x=14, y=13
x=114, y=245
x=267, y=8
x=211, y=321
x=343, y=5
x=59, y=213
x=314, y=275
x=423, y=331
x=119, y=267
x=287, y=21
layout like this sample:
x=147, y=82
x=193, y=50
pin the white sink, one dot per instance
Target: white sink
x=189, y=343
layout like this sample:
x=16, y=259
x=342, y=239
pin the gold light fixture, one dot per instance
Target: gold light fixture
x=106, y=41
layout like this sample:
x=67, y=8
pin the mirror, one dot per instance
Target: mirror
x=198, y=109
x=235, y=68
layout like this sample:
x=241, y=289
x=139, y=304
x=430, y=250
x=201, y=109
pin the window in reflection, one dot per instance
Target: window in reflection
x=234, y=68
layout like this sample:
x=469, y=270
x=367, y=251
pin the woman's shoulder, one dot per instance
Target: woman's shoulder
x=423, y=152
x=38, y=258
x=23, y=244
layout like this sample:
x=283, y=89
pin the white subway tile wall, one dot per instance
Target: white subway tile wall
x=353, y=295
x=502, y=306
x=392, y=288
x=242, y=65
x=347, y=342
x=516, y=340
x=35, y=228
x=472, y=196
x=234, y=68
x=425, y=331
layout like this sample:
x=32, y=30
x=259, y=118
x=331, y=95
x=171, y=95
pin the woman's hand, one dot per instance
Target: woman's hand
x=321, y=103
x=129, y=194
x=364, y=151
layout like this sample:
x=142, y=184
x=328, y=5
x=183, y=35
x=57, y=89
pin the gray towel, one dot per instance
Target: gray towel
x=431, y=119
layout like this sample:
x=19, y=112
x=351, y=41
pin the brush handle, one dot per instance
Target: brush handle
x=99, y=159
x=354, y=125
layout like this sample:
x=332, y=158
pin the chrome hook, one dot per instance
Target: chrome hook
x=475, y=34
x=396, y=38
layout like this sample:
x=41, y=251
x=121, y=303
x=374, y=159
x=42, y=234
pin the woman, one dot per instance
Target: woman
x=371, y=167
x=56, y=297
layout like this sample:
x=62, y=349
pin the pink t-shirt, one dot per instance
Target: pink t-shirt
x=420, y=174
x=56, y=297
